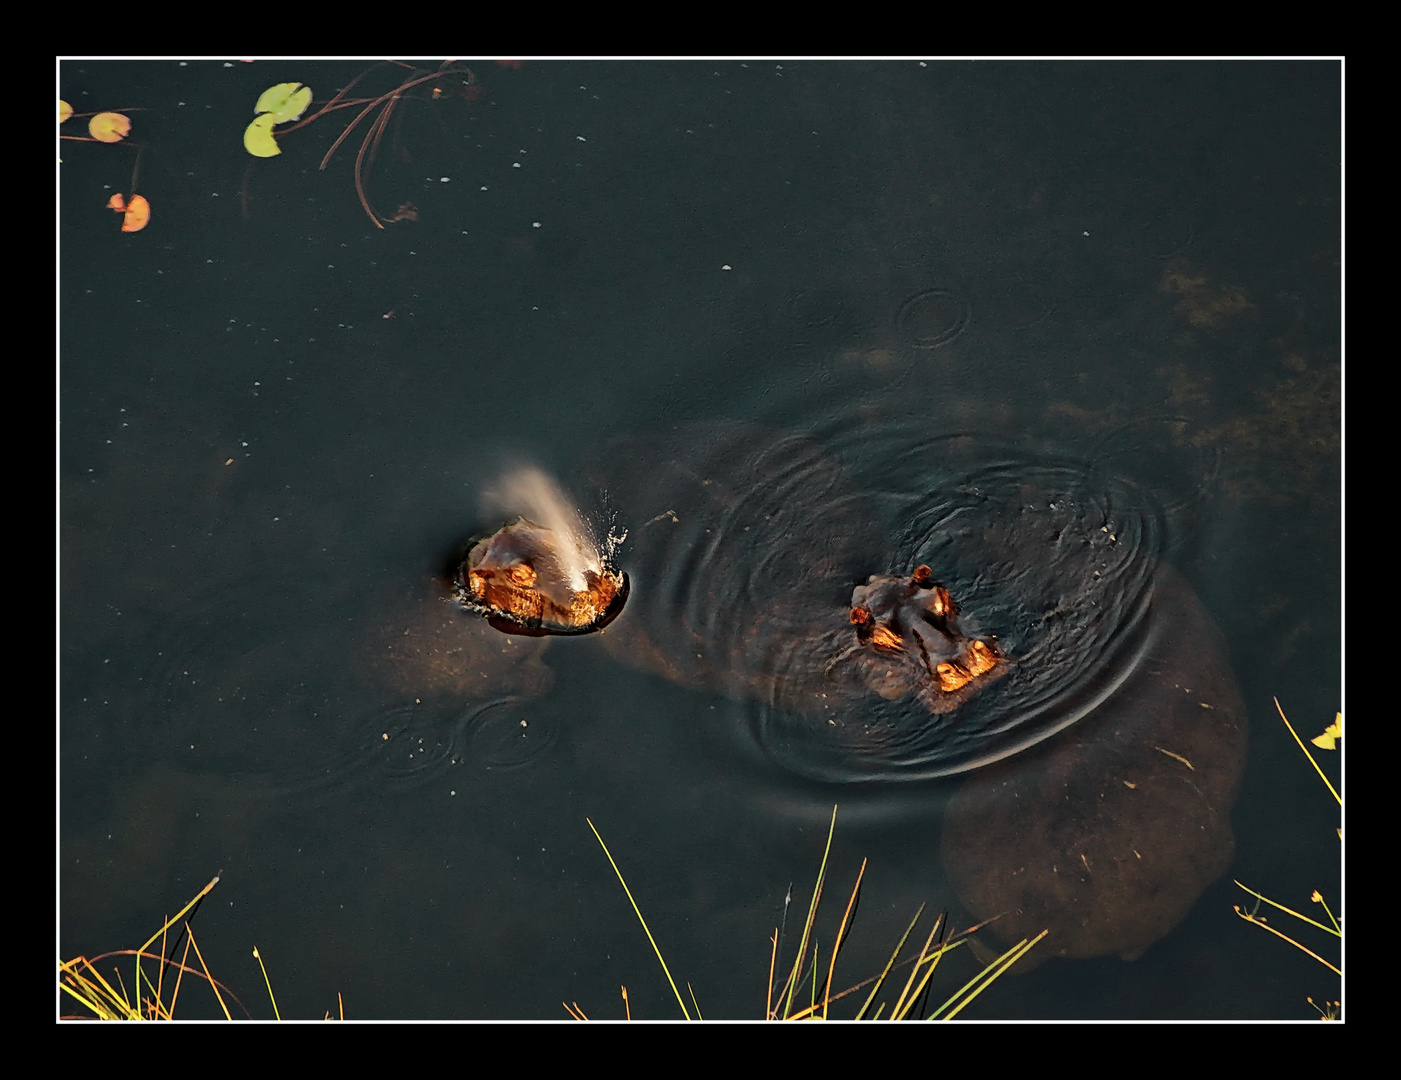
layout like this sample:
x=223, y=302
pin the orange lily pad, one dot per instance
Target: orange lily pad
x=109, y=127
x=137, y=212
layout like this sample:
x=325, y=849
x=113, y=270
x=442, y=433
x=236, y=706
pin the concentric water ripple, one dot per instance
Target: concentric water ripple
x=748, y=543
x=934, y=317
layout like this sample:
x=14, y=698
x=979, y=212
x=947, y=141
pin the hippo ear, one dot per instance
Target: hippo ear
x=943, y=605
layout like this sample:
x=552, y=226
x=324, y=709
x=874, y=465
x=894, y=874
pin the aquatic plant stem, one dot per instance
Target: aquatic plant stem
x=268, y=983
x=1266, y=926
x=987, y=977
x=1289, y=911
x=837, y=945
x=880, y=981
x=812, y=915
x=1332, y=790
x=645, y=930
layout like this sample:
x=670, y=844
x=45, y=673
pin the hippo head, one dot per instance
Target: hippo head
x=526, y=579
x=908, y=642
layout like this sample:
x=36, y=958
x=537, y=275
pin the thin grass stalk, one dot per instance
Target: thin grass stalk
x=812, y=914
x=179, y=915
x=898, y=1010
x=988, y=976
x=640, y=919
x=933, y=962
x=841, y=934
x=1337, y=926
x=213, y=985
x=890, y=964
x=1332, y=790
x=267, y=982
x=160, y=971
x=180, y=977
x=1336, y=932
x=100, y=997
x=1266, y=926
x=171, y=922
x=773, y=956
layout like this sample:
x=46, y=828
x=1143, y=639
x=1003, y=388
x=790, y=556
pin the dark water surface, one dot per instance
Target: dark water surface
x=1105, y=293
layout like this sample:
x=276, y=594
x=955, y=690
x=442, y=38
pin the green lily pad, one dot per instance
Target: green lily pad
x=257, y=137
x=285, y=101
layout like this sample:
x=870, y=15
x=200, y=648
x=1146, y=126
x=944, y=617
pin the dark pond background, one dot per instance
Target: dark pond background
x=277, y=419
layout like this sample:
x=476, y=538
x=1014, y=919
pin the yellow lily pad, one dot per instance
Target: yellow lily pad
x=109, y=127
x=1331, y=734
x=257, y=137
x=285, y=101
x=65, y=110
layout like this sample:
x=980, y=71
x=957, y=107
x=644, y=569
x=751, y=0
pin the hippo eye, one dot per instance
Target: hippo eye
x=922, y=575
x=521, y=574
x=861, y=616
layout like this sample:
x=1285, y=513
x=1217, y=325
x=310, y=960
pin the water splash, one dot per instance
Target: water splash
x=534, y=495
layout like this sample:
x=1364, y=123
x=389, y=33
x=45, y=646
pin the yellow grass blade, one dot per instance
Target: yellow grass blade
x=1248, y=917
x=906, y=1000
x=212, y=984
x=812, y=915
x=988, y=976
x=1305, y=749
x=643, y=921
x=841, y=933
x=880, y=981
x=1289, y=911
x=179, y=914
x=266, y=982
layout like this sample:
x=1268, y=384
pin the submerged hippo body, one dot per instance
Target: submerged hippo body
x=1012, y=628
x=1108, y=832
